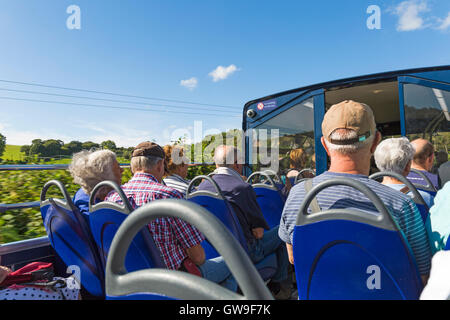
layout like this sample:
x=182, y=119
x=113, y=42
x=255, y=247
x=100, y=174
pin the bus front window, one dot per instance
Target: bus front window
x=276, y=139
x=427, y=115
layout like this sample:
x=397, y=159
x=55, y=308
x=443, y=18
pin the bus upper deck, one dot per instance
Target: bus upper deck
x=405, y=103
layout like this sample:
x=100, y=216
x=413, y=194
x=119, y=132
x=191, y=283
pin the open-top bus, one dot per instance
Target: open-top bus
x=409, y=103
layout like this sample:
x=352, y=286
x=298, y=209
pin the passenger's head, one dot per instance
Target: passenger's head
x=88, y=168
x=297, y=158
x=228, y=156
x=349, y=131
x=395, y=155
x=424, y=156
x=148, y=157
x=176, y=162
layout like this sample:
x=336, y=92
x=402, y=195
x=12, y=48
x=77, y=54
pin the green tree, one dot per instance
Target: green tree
x=25, y=149
x=109, y=144
x=52, y=147
x=36, y=148
x=73, y=147
x=2, y=144
x=88, y=145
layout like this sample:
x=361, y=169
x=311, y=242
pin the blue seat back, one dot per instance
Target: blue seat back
x=217, y=205
x=269, y=198
x=447, y=246
x=348, y=254
x=171, y=284
x=71, y=239
x=424, y=211
x=430, y=192
x=271, y=203
x=417, y=197
x=428, y=186
x=106, y=218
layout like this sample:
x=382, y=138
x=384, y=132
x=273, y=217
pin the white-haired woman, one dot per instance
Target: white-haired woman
x=88, y=168
x=396, y=155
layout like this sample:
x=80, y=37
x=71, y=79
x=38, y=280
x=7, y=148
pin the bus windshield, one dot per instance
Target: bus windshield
x=426, y=114
x=279, y=136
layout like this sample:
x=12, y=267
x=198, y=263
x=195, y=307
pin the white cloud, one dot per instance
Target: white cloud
x=191, y=83
x=409, y=15
x=445, y=24
x=221, y=72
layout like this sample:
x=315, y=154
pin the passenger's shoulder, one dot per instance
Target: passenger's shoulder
x=390, y=196
x=171, y=192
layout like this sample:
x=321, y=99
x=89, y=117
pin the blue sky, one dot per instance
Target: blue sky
x=223, y=52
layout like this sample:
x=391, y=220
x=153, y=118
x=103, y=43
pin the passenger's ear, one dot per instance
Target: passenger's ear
x=407, y=168
x=376, y=141
x=322, y=140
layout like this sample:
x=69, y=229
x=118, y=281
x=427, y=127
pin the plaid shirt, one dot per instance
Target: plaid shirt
x=172, y=236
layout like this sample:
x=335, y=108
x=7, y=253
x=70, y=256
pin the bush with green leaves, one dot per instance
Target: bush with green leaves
x=26, y=186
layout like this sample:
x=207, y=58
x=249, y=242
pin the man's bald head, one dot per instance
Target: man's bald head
x=424, y=155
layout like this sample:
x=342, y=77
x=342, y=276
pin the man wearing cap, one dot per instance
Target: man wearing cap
x=178, y=241
x=350, y=139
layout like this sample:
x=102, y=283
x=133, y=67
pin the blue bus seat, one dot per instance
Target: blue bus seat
x=71, y=239
x=447, y=246
x=279, y=184
x=105, y=220
x=217, y=205
x=428, y=187
x=269, y=198
x=417, y=197
x=345, y=254
x=430, y=192
x=163, y=284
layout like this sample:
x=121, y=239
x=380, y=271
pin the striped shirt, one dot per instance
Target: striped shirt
x=178, y=183
x=172, y=236
x=403, y=210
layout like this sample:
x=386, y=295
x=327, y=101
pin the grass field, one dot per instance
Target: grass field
x=12, y=152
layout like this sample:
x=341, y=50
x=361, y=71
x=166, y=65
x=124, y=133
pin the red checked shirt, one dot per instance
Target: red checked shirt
x=172, y=236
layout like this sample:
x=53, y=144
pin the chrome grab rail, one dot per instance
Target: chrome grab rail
x=30, y=167
x=24, y=205
x=23, y=245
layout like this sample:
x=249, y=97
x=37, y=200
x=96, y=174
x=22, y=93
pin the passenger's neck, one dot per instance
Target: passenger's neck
x=150, y=172
x=349, y=164
x=418, y=167
x=389, y=180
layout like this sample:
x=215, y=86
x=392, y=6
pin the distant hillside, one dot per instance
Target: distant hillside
x=12, y=152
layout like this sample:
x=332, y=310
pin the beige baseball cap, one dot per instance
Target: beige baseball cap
x=349, y=114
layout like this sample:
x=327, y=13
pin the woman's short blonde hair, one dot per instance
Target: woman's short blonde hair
x=174, y=157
